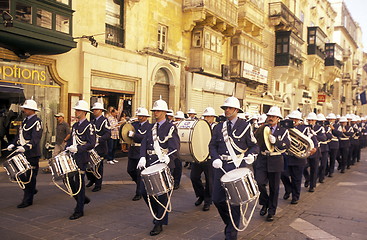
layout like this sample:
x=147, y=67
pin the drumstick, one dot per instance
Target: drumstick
x=223, y=170
x=4, y=149
x=167, y=155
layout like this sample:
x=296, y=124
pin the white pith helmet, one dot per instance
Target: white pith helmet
x=343, y=119
x=274, y=111
x=337, y=116
x=321, y=117
x=295, y=115
x=312, y=116
x=262, y=118
x=331, y=116
x=160, y=105
x=363, y=118
x=254, y=116
x=98, y=106
x=209, y=111
x=170, y=113
x=30, y=104
x=246, y=114
x=349, y=116
x=191, y=111
x=242, y=116
x=232, y=102
x=82, y=105
x=180, y=115
x=142, y=112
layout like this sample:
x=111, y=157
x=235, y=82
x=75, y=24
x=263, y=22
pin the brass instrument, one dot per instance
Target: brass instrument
x=268, y=144
x=125, y=132
x=301, y=145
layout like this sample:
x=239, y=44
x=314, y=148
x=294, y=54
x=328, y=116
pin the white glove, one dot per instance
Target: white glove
x=217, y=163
x=141, y=163
x=272, y=139
x=249, y=159
x=165, y=159
x=131, y=133
x=20, y=149
x=72, y=148
x=10, y=147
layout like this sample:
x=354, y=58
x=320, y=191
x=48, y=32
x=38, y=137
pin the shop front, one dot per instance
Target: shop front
x=25, y=80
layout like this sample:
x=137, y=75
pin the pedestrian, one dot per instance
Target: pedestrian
x=83, y=139
x=114, y=140
x=220, y=147
x=62, y=134
x=28, y=142
x=103, y=134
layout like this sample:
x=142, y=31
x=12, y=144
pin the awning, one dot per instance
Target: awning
x=12, y=91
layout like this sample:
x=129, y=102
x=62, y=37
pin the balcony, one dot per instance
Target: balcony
x=283, y=19
x=316, y=42
x=221, y=15
x=346, y=78
x=355, y=63
x=37, y=27
x=251, y=17
x=288, y=50
x=250, y=74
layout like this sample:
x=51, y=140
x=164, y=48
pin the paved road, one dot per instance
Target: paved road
x=336, y=210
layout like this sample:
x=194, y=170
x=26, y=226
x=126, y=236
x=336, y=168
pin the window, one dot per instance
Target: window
x=196, y=39
x=207, y=40
x=44, y=18
x=114, y=23
x=23, y=13
x=62, y=24
x=162, y=37
x=213, y=43
x=282, y=44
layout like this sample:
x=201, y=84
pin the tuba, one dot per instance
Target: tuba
x=301, y=145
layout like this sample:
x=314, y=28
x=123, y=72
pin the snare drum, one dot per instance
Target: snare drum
x=16, y=166
x=240, y=186
x=95, y=159
x=62, y=165
x=194, y=136
x=157, y=179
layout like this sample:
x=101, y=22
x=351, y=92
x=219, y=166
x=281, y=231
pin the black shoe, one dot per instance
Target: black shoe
x=270, y=218
x=175, y=187
x=330, y=175
x=156, y=230
x=339, y=167
x=263, y=210
x=136, y=197
x=342, y=171
x=86, y=200
x=76, y=216
x=286, y=196
x=199, y=201
x=89, y=184
x=96, y=189
x=311, y=189
x=294, y=201
x=321, y=181
x=186, y=164
x=206, y=207
x=307, y=183
x=348, y=167
x=24, y=205
x=35, y=191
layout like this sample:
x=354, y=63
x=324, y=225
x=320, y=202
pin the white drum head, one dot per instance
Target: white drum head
x=235, y=174
x=154, y=168
x=200, y=139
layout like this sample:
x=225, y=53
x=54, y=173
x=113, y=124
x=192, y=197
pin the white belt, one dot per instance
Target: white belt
x=267, y=153
x=152, y=152
x=356, y=138
x=344, y=139
x=335, y=139
x=228, y=158
x=136, y=144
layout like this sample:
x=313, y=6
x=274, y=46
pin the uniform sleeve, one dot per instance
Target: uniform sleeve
x=321, y=136
x=349, y=132
x=138, y=138
x=107, y=131
x=174, y=144
x=90, y=139
x=213, y=145
x=284, y=142
x=143, y=147
x=251, y=142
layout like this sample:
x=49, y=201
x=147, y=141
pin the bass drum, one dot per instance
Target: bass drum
x=194, y=136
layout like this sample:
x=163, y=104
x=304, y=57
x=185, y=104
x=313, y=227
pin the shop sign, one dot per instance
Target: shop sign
x=24, y=73
x=321, y=98
x=255, y=73
x=209, y=84
x=113, y=84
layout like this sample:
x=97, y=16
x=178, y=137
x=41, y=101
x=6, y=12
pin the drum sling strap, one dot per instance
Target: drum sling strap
x=236, y=161
x=156, y=146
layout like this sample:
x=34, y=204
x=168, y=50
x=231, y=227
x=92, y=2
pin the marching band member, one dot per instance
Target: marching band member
x=292, y=176
x=354, y=142
x=103, y=134
x=269, y=165
x=83, y=139
x=177, y=171
x=192, y=114
x=313, y=160
x=262, y=120
x=170, y=116
x=344, y=143
x=336, y=131
x=364, y=132
x=142, y=126
x=160, y=141
x=324, y=146
x=28, y=142
x=204, y=193
x=232, y=145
